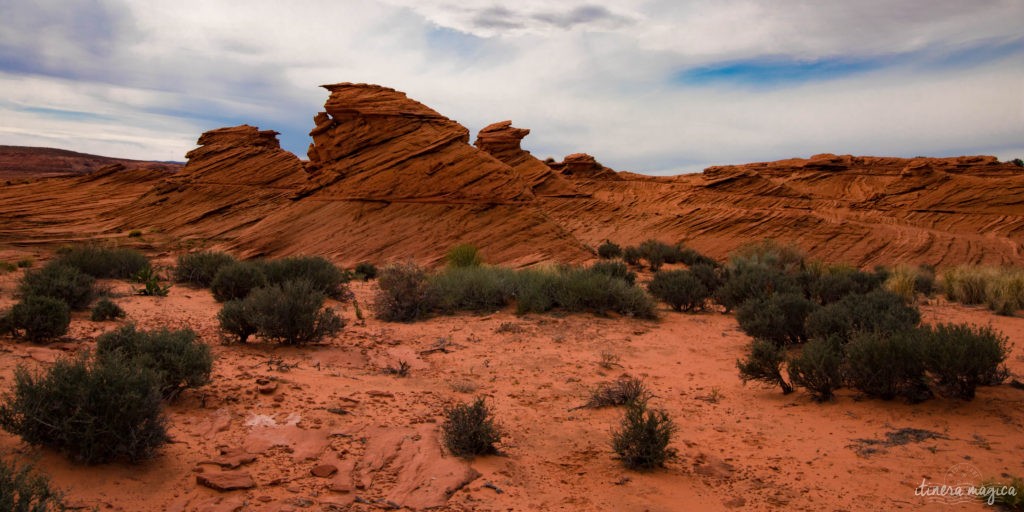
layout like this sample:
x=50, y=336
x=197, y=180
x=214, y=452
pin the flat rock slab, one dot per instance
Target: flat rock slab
x=304, y=444
x=226, y=480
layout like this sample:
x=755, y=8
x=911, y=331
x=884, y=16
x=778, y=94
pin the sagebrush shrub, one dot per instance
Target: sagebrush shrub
x=887, y=365
x=680, y=289
x=622, y=391
x=616, y=269
x=818, y=368
x=61, y=282
x=236, y=318
x=104, y=310
x=963, y=357
x=966, y=284
x=658, y=253
x=709, y=275
x=609, y=250
x=783, y=258
x=831, y=283
x=743, y=282
x=93, y=411
x=199, y=268
x=879, y=310
x=690, y=257
x=404, y=293
x=764, y=363
x=366, y=270
x=292, y=313
x=579, y=290
x=236, y=280
x=178, y=359
x=632, y=255
x=318, y=271
x=642, y=441
x=1004, y=294
x=463, y=255
x=778, y=318
x=103, y=262
x=470, y=430
x=473, y=288
x=40, y=318
x=24, y=490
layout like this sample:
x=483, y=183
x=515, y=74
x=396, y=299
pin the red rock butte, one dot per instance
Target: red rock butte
x=389, y=178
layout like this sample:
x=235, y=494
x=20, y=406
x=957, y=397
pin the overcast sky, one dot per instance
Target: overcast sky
x=649, y=86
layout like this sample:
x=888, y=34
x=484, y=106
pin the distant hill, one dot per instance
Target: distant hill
x=24, y=162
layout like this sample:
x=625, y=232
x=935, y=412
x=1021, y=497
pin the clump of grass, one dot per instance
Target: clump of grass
x=622, y=391
x=642, y=441
x=105, y=310
x=463, y=255
x=470, y=430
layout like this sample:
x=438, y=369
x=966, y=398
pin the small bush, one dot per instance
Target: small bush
x=622, y=391
x=366, y=270
x=25, y=263
x=783, y=258
x=178, y=359
x=61, y=282
x=966, y=284
x=464, y=255
x=615, y=269
x=579, y=290
x=632, y=255
x=534, y=290
x=778, y=318
x=658, y=253
x=6, y=266
x=151, y=283
x=470, y=430
x=404, y=293
x=24, y=490
x=642, y=441
x=962, y=357
x=887, y=365
x=681, y=289
x=474, y=288
x=764, y=363
x=818, y=368
x=708, y=275
x=103, y=262
x=318, y=271
x=752, y=281
x=236, y=318
x=879, y=310
x=609, y=250
x=831, y=283
x=94, y=412
x=1004, y=294
x=199, y=268
x=41, y=318
x=690, y=258
x=292, y=313
x=105, y=310
x=236, y=280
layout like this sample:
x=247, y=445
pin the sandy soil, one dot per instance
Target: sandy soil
x=279, y=412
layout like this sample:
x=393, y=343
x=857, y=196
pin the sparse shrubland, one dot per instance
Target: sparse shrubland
x=683, y=290
x=199, y=268
x=236, y=280
x=103, y=262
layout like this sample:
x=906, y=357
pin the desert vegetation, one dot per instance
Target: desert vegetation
x=1000, y=289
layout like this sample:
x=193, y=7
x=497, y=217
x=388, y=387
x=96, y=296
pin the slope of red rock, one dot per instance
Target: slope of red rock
x=22, y=162
x=502, y=141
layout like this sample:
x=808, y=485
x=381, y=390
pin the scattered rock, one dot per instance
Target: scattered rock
x=226, y=480
x=324, y=470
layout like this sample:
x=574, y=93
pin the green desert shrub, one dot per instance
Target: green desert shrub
x=318, y=271
x=463, y=255
x=609, y=250
x=533, y=290
x=177, y=358
x=778, y=318
x=24, y=490
x=690, y=257
x=963, y=357
x=1004, y=293
x=473, y=288
x=709, y=275
x=784, y=258
x=622, y=391
x=199, y=268
x=106, y=309
x=59, y=281
x=681, y=289
x=887, y=365
x=658, y=253
x=152, y=283
x=764, y=363
x=830, y=284
x=292, y=313
x=818, y=368
x=580, y=290
x=404, y=293
x=25, y=263
x=103, y=262
x=614, y=269
x=366, y=270
x=236, y=319
x=236, y=280
x=470, y=430
x=743, y=282
x=642, y=441
x=879, y=310
x=966, y=284
x=40, y=318
x=632, y=255
x=93, y=411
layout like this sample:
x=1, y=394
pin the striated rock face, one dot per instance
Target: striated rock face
x=502, y=141
x=22, y=162
x=582, y=165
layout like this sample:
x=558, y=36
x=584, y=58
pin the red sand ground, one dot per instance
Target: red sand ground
x=741, y=447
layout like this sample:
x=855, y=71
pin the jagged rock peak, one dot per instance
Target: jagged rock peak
x=374, y=100
x=242, y=135
x=500, y=136
x=582, y=165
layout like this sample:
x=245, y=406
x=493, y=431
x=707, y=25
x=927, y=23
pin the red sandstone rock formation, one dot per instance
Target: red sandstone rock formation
x=22, y=162
x=501, y=140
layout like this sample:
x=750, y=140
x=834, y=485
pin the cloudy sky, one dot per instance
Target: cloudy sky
x=660, y=86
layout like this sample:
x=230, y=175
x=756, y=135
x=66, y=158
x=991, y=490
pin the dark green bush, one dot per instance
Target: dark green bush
x=103, y=262
x=783, y=258
x=708, y=275
x=464, y=255
x=61, y=282
x=691, y=257
x=879, y=310
x=818, y=368
x=292, y=313
x=366, y=270
x=681, y=289
x=236, y=280
x=105, y=309
x=764, y=363
x=237, y=319
x=94, y=412
x=887, y=365
x=473, y=288
x=614, y=269
x=404, y=293
x=778, y=318
x=318, y=271
x=534, y=290
x=963, y=357
x=25, y=263
x=40, y=318
x=199, y=268
x=178, y=359
x=609, y=250
x=744, y=282
x=579, y=290
x=837, y=282
x=631, y=255
x=24, y=490
x=658, y=253
x=642, y=441
x=470, y=430
x=622, y=391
